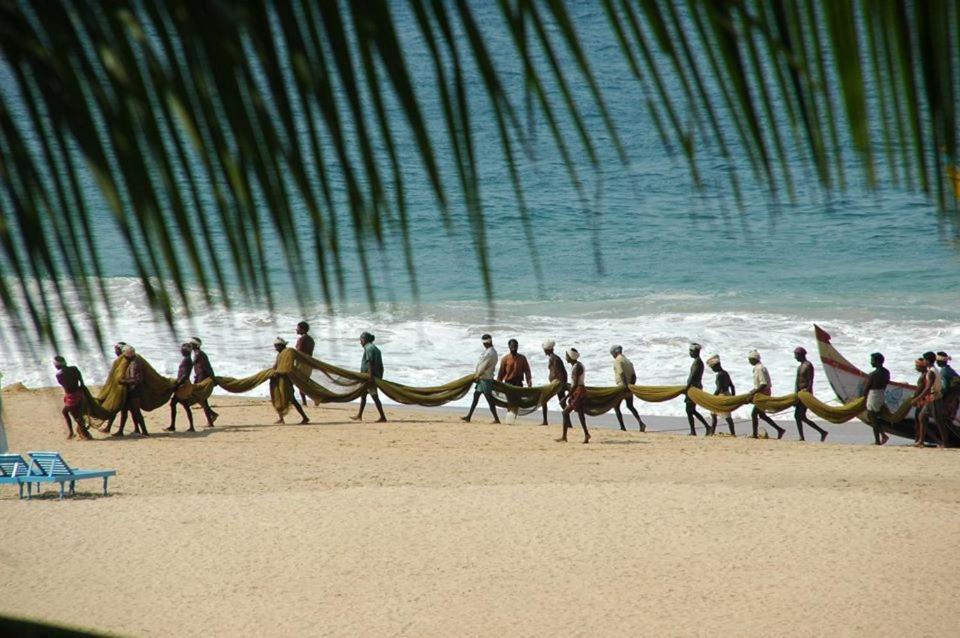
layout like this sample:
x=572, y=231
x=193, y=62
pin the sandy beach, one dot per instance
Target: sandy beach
x=429, y=527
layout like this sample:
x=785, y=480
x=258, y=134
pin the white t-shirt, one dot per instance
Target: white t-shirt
x=487, y=364
x=761, y=376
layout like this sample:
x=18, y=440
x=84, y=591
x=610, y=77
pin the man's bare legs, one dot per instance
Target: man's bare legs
x=209, y=413
x=691, y=409
x=567, y=424
x=561, y=395
x=879, y=436
x=173, y=415
x=755, y=417
x=473, y=406
x=376, y=402
x=800, y=416
x=82, y=431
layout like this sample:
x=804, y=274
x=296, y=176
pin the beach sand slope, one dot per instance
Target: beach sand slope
x=429, y=527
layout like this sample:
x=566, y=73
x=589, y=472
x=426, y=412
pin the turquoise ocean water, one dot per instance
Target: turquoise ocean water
x=644, y=260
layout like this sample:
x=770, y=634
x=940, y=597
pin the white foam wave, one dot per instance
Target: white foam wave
x=436, y=343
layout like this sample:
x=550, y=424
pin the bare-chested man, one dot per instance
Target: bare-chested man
x=484, y=376
x=305, y=344
x=761, y=385
x=724, y=387
x=202, y=370
x=694, y=380
x=133, y=381
x=928, y=400
x=71, y=381
x=873, y=391
x=624, y=375
x=371, y=364
x=577, y=401
x=183, y=377
x=804, y=384
x=280, y=344
x=557, y=372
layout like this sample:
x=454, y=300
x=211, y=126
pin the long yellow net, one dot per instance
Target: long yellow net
x=326, y=383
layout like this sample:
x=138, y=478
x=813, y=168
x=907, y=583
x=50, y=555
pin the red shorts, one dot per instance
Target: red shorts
x=73, y=399
x=577, y=398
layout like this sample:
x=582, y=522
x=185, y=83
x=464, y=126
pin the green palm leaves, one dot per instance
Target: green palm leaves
x=204, y=126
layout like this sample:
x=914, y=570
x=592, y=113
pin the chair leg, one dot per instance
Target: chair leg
x=20, y=486
x=61, y=490
x=104, y=485
x=73, y=488
x=30, y=491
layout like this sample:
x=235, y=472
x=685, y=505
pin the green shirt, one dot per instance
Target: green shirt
x=372, y=361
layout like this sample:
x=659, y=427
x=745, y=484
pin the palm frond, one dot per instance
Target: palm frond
x=222, y=136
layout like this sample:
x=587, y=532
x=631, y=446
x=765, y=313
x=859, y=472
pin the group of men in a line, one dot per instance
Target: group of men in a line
x=515, y=370
x=193, y=358
x=932, y=400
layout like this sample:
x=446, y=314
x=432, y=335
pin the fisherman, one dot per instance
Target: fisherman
x=71, y=381
x=280, y=344
x=514, y=367
x=305, y=344
x=873, y=391
x=133, y=381
x=484, y=377
x=577, y=401
x=183, y=377
x=724, y=388
x=761, y=385
x=694, y=380
x=929, y=400
x=804, y=384
x=202, y=370
x=624, y=376
x=118, y=353
x=948, y=382
x=372, y=364
x=557, y=374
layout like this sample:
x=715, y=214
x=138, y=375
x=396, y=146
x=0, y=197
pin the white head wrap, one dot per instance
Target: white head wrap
x=279, y=341
x=754, y=355
x=549, y=344
x=573, y=354
x=128, y=349
x=713, y=360
x=195, y=341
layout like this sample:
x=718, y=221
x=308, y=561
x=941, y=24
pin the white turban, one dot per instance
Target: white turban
x=128, y=349
x=573, y=354
x=754, y=355
x=714, y=360
x=195, y=341
x=279, y=341
x=549, y=344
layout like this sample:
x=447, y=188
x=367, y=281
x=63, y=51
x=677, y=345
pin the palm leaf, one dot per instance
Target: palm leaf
x=205, y=127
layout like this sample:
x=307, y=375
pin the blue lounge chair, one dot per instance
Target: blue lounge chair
x=49, y=467
x=13, y=471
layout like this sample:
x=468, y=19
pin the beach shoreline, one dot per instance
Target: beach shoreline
x=428, y=526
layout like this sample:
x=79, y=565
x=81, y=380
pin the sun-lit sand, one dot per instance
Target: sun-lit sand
x=426, y=526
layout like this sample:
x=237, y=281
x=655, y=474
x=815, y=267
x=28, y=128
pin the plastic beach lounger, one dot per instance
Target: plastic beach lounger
x=14, y=471
x=49, y=467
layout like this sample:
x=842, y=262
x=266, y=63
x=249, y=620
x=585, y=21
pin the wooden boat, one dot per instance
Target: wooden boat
x=848, y=381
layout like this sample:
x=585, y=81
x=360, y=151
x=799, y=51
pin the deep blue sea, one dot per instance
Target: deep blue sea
x=640, y=258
